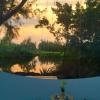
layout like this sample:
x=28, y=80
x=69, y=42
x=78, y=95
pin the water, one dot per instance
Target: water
x=49, y=66
x=41, y=79
x=13, y=87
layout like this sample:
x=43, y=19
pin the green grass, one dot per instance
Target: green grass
x=48, y=53
x=69, y=54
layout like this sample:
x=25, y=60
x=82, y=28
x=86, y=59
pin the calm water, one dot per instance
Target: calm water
x=13, y=87
x=49, y=66
x=34, y=87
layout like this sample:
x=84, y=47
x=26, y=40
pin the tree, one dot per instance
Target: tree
x=14, y=9
x=75, y=26
x=5, y=14
x=64, y=19
x=50, y=46
x=28, y=44
x=61, y=28
x=87, y=26
x=6, y=40
x=91, y=17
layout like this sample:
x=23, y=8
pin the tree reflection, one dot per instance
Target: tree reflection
x=62, y=95
x=28, y=67
x=48, y=66
x=76, y=69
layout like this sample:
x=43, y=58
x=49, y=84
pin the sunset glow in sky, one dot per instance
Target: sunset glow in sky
x=36, y=35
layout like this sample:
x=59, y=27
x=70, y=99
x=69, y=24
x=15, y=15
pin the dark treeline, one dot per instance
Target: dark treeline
x=50, y=46
x=11, y=50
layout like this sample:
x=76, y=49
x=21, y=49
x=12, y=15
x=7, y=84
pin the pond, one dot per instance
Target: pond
x=49, y=66
x=48, y=78
x=14, y=87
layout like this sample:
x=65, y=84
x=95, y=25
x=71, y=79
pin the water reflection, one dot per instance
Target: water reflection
x=0, y=69
x=52, y=66
x=34, y=67
x=63, y=95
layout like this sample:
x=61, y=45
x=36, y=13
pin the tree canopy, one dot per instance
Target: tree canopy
x=81, y=22
x=12, y=10
x=9, y=8
x=80, y=27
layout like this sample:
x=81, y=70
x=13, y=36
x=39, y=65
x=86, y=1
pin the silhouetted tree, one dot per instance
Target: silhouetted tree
x=10, y=12
x=9, y=8
x=50, y=46
x=80, y=27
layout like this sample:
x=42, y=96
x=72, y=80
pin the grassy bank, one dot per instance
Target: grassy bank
x=50, y=54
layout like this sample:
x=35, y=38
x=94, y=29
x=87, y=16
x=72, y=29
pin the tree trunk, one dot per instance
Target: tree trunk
x=1, y=10
x=5, y=17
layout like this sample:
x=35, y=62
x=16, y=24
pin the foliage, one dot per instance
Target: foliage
x=11, y=50
x=14, y=8
x=80, y=27
x=28, y=44
x=50, y=46
x=10, y=13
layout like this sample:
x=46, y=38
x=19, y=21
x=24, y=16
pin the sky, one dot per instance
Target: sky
x=36, y=35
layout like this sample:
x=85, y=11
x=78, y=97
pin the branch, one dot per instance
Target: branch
x=10, y=13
